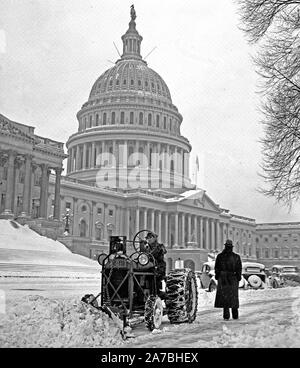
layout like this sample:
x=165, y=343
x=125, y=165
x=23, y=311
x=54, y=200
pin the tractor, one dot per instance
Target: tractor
x=131, y=289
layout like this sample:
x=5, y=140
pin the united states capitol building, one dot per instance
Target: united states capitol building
x=127, y=169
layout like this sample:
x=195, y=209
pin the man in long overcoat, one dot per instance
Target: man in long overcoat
x=228, y=273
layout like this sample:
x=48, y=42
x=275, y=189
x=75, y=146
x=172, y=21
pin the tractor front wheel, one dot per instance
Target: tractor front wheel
x=153, y=312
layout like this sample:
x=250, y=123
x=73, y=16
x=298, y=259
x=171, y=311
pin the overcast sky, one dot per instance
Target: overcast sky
x=52, y=51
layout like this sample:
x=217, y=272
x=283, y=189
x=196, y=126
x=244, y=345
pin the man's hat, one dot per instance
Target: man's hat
x=228, y=243
x=151, y=235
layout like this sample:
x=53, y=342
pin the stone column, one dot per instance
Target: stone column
x=58, y=171
x=212, y=232
x=176, y=228
x=127, y=222
x=145, y=219
x=189, y=227
x=92, y=165
x=196, y=230
x=137, y=220
x=207, y=245
x=152, y=220
x=166, y=228
x=183, y=229
x=44, y=191
x=9, y=196
x=84, y=156
x=27, y=186
x=201, y=233
x=77, y=159
x=159, y=226
x=218, y=240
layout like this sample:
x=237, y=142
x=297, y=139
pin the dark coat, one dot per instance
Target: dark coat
x=228, y=271
x=158, y=251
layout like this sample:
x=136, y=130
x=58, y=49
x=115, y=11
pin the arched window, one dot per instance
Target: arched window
x=122, y=117
x=141, y=118
x=157, y=121
x=97, y=119
x=82, y=228
x=165, y=122
x=104, y=118
x=131, y=117
x=113, y=117
x=149, y=119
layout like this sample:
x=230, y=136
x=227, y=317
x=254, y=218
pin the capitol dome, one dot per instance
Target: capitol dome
x=130, y=106
x=133, y=76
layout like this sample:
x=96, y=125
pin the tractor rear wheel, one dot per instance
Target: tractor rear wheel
x=181, y=296
x=153, y=312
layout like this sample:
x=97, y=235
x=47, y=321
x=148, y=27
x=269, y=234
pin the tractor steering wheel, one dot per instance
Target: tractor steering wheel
x=139, y=240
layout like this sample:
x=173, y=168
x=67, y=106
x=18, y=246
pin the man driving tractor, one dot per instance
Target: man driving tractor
x=158, y=250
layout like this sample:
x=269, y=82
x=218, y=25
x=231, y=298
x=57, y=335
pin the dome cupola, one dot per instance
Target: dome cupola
x=132, y=40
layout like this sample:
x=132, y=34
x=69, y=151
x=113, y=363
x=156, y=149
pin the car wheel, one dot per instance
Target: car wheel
x=254, y=281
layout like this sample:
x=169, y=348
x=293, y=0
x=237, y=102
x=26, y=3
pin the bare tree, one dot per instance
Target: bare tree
x=275, y=27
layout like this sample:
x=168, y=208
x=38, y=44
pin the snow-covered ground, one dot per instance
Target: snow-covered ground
x=268, y=318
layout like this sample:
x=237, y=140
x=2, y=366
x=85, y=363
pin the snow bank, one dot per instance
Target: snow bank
x=16, y=236
x=36, y=321
x=24, y=252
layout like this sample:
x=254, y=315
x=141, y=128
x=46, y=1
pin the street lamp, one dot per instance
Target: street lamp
x=67, y=217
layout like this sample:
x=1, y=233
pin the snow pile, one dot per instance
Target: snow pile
x=16, y=236
x=23, y=252
x=36, y=321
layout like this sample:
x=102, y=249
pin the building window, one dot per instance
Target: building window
x=296, y=253
x=82, y=229
x=165, y=122
x=97, y=119
x=266, y=240
x=131, y=117
x=83, y=208
x=110, y=212
x=141, y=118
x=122, y=117
x=99, y=211
x=113, y=117
x=124, y=82
x=157, y=121
x=104, y=118
x=266, y=253
x=276, y=253
x=117, y=82
x=286, y=253
x=91, y=121
x=257, y=253
x=149, y=119
x=132, y=82
x=68, y=205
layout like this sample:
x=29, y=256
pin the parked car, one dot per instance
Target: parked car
x=207, y=277
x=254, y=275
x=284, y=275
